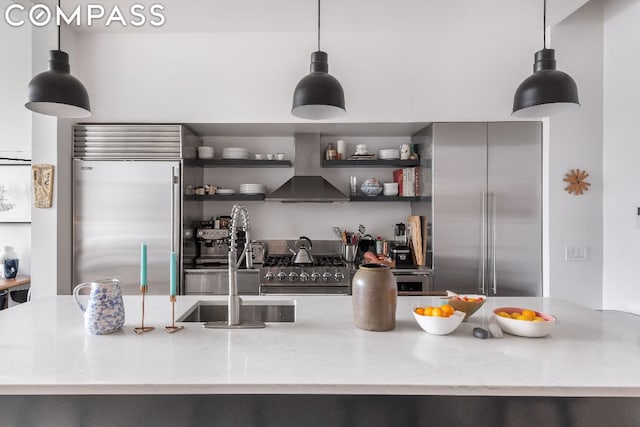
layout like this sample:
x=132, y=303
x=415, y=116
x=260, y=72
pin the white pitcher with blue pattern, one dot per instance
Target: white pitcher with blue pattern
x=104, y=313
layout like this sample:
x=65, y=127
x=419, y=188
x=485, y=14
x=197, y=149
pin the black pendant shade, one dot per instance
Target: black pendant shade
x=55, y=92
x=318, y=95
x=547, y=91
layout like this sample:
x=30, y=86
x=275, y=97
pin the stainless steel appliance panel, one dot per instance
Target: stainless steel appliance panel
x=459, y=181
x=216, y=282
x=487, y=226
x=515, y=183
x=117, y=206
x=413, y=282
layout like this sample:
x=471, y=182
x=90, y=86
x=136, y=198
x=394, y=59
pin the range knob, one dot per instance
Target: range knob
x=293, y=276
x=338, y=276
x=281, y=276
x=269, y=277
x=304, y=276
x=315, y=277
x=326, y=277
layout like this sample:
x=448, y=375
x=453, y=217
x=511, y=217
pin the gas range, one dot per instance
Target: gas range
x=328, y=274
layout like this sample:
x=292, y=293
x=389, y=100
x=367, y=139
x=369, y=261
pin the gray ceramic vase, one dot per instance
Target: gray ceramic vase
x=375, y=295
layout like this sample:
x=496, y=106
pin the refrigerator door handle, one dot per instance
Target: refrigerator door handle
x=174, y=182
x=483, y=245
x=494, y=280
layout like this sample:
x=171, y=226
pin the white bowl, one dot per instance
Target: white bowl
x=205, y=152
x=389, y=154
x=439, y=325
x=390, y=189
x=525, y=328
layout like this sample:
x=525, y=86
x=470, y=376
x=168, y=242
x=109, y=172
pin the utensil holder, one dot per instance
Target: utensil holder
x=349, y=252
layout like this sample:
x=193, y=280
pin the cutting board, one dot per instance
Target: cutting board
x=415, y=239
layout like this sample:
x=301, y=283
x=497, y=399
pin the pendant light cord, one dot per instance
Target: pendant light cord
x=318, y=25
x=58, y=23
x=544, y=25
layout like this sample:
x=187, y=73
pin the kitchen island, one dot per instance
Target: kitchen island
x=588, y=367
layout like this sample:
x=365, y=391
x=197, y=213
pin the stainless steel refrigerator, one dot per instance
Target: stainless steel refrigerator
x=487, y=207
x=118, y=204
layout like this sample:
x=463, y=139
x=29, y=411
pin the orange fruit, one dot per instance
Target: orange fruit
x=420, y=311
x=428, y=311
x=529, y=313
x=437, y=312
x=447, y=310
x=538, y=319
x=504, y=314
x=515, y=315
x=523, y=317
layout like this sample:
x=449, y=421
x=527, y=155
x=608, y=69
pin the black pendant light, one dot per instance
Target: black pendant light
x=56, y=92
x=318, y=95
x=547, y=91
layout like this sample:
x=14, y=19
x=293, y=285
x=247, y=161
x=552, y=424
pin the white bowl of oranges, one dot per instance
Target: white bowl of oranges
x=524, y=322
x=440, y=320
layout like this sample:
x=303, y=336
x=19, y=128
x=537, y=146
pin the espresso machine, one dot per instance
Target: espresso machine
x=400, y=250
x=213, y=246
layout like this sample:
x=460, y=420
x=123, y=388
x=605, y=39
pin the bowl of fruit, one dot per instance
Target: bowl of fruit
x=468, y=304
x=438, y=320
x=524, y=322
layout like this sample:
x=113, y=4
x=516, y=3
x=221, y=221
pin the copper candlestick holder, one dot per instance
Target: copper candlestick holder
x=173, y=328
x=142, y=329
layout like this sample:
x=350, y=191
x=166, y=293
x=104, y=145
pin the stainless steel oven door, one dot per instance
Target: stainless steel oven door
x=412, y=283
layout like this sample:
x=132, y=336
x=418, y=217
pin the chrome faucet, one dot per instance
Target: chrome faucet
x=239, y=213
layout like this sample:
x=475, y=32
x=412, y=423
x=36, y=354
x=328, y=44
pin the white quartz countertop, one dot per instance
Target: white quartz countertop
x=45, y=350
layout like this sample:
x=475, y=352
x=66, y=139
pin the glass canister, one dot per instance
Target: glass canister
x=374, y=298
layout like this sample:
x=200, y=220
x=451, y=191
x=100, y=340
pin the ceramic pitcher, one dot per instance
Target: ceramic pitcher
x=104, y=312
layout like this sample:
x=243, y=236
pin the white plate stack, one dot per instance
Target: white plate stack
x=389, y=154
x=253, y=189
x=235, y=153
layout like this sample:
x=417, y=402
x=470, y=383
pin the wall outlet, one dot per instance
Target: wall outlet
x=576, y=253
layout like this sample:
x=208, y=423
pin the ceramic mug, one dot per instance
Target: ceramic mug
x=104, y=312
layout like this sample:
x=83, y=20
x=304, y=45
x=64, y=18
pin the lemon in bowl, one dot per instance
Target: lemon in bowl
x=524, y=322
x=438, y=320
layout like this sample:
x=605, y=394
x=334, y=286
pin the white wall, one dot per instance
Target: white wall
x=462, y=64
x=51, y=227
x=621, y=155
x=575, y=141
x=15, y=123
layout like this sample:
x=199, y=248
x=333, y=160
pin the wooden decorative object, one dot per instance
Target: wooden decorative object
x=576, y=179
x=42, y=178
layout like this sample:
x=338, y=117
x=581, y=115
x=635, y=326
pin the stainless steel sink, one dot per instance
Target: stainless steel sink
x=215, y=313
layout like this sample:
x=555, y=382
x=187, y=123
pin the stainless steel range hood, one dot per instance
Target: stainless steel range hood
x=307, y=185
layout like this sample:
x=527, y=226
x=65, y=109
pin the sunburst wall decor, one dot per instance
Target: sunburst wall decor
x=576, y=179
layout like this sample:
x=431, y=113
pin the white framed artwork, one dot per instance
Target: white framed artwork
x=15, y=193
